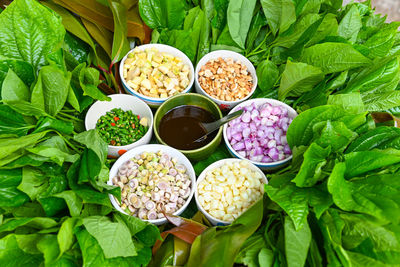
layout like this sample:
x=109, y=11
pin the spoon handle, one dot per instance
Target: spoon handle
x=212, y=126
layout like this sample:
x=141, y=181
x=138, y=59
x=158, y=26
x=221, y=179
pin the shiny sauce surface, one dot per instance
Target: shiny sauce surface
x=182, y=125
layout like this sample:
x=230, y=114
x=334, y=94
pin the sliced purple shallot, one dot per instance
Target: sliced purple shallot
x=259, y=134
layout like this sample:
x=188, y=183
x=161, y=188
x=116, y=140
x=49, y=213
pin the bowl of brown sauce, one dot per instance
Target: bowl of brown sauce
x=177, y=123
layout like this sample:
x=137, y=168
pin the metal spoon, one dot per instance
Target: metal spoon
x=213, y=126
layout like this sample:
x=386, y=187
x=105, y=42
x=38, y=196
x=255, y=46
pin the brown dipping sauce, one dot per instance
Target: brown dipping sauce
x=181, y=126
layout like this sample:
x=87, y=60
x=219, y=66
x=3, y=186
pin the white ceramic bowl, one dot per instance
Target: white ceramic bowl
x=151, y=101
x=172, y=152
x=124, y=102
x=217, y=164
x=225, y=105
x=258, y=102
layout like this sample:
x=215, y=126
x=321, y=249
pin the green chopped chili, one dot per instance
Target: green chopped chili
x=119, y=128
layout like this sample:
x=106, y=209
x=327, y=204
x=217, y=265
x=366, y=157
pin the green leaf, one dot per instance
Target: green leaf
x=61, y=126
x=51, y=90
x=28, y=243
x=265, y=257
x=225, y=39
x=249, y=251
x=29, y=209
x=14, y=89
x=382, y=101
x=297, y=243
x=36, y=223
x=350, y=25
x=334, y=57
x=74, y=202
x=88, y=195
x=120, y=46
x=59, y=154
x=218, y=246
x=300, y=131
x=52, y=206
x=159, y=14
x=204, y=38
x=295, y=201
x=360, y=260
x=10, y=196
x=361, y=162
x=298, y=78
x=267, y=74
x=92, y=140
x=239, y=17
x=335, y=135
x=371, y=78
x=218, y=20
x=9, y=145
x=180, y=39
x=289, y=39
x=358, y=228
x=93, y=255
x=280, y=14
x=134, y=224
x=315, y=158
x=11, y=255
x=349, y=102
x=88, y=81
x=381, y=42
x=72, y=24
x=33, y=183
x=49, y=247
x=257, y=23
x=12, y=122
x=30, y=32
x=65, y=236
x=374, y=195
x=76, y=49
x=23, y=69
x=328, y=27
x=379, y=137
x=114, y=238
x=225, y=47
x=26, y=108
x=197, y=24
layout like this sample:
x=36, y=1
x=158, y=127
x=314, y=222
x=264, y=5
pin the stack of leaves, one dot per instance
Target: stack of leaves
x=191, y=243
x=54, y=201
x=339, y=200
x=304, y=51
x=107, y=27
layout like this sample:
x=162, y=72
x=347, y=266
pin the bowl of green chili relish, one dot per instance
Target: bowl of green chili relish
x=123, y=123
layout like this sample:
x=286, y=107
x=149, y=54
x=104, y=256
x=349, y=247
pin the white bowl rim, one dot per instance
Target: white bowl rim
x=153, y=99
x=213, y=166
x=247, y=103
x=243, y=59
x=149, y=130
x=156, y=147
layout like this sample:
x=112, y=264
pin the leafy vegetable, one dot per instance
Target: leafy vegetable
x=280, y=14
x=162, y=14
x=47, y=218
x=298, y=78
x=334, y=57
x=239, y=19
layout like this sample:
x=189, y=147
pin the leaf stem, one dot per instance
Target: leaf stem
x=69, y=143
x=68, y=116
x=254, y=52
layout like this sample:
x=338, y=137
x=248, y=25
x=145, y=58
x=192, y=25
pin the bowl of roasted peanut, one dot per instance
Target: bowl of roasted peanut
x=227, y=77
x=155, y=72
